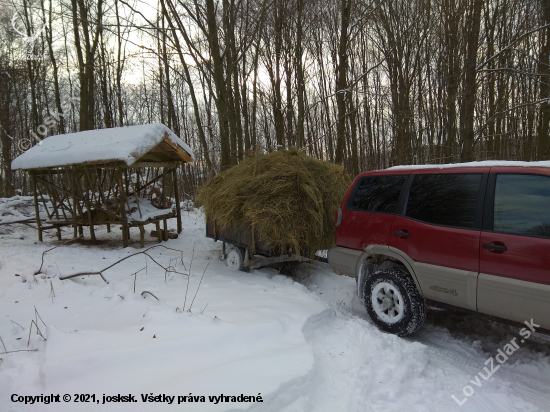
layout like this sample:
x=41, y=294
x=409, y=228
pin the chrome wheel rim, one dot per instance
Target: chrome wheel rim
x=387, y=302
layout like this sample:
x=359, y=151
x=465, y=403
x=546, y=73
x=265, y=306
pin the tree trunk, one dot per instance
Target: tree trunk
x=543, y=141
x=470, y=85
x=341, y=83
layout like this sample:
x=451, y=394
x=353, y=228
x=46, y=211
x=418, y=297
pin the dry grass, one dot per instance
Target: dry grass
x=291, y=200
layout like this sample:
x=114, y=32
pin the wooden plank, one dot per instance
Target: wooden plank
x=154, y=164
x=170, y=235
x=181, y=153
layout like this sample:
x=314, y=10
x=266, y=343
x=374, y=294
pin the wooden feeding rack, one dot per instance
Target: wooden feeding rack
x=126, y=176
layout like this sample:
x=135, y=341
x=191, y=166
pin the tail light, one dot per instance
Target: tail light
x=339, y=217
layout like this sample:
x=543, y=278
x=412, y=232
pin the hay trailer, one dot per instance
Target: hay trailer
x=243, y=250
x=123, y=175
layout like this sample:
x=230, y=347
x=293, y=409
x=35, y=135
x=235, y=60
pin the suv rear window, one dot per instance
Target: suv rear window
x=445, y=199
x=522, y=205
x=377, y=193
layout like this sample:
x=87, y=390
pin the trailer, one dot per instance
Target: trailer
x=243, y=250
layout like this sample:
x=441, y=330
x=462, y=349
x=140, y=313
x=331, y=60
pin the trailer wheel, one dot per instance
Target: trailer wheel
x=235, y=258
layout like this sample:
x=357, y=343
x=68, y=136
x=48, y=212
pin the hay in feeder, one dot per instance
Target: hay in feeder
x=290, y=199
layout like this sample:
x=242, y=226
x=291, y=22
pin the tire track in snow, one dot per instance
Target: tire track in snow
x=509, y=389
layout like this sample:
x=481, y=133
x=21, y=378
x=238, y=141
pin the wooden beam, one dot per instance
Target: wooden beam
x=154, y=164
x=36, y=211
x=181, y=153
x=75, y=201
x=159, y=236
x=177, y=199
x=123, y=211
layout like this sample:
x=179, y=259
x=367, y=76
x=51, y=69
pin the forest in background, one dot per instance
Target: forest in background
x=363, y=83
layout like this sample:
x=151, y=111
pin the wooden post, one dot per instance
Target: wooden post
x=36, y=211
x=138, y=181
x=73, y=180
x=177, y=199
x=165, y=231
x=89, y=209
x=123, y=210
x=141, y=236
x=159, y=234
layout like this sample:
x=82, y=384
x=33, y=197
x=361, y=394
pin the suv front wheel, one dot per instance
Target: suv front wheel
x=393, y=302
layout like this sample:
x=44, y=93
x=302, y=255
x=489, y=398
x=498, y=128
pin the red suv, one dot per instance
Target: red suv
x=474, y=236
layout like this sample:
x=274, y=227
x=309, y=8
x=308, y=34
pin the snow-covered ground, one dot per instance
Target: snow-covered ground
x=302, y=343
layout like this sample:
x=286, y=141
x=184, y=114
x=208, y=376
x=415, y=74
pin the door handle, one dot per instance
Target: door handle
x=403, y=234
x=494, y=247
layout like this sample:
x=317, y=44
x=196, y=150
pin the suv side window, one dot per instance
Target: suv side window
x=445, y=199
x=377, y=193
x=522, y=205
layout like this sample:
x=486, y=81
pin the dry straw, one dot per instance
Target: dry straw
x=289, y=197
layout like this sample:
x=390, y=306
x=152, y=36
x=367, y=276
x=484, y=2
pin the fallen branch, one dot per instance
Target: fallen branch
x=146, y=291
x=20, y=221
x=49, y=250
x=143, y=252
x=20, y=350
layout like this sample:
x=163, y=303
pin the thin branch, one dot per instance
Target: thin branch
x=37, y=316
x=198, y=287
x=49, y=250
x=37, y=331
x=509, y=47
x=190, y=265
x=143, y=252
x=12, y=321
x=146, y=291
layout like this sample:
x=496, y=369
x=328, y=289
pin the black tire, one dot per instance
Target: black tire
x=235, y=258
x=398, y=307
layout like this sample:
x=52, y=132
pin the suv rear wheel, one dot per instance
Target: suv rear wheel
x=393, y=302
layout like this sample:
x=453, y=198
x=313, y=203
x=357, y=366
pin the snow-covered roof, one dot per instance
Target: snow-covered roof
x=484, y=163
x=119, y=144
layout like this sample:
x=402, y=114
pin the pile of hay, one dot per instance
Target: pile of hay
x=289, y=197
